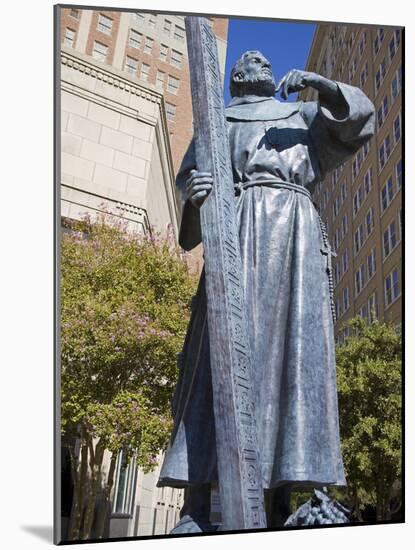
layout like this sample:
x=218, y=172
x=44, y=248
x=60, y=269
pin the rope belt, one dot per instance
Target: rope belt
x=277, y=184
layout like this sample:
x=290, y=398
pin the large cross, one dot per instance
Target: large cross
x=239, y=465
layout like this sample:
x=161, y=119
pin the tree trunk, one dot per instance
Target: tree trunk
x=96, y=458
x=104, y=511
x=79, y=491
x=379, y=496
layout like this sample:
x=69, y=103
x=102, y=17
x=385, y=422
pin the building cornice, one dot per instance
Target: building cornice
x=113, y=77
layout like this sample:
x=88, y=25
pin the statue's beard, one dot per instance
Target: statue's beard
x=258, y=85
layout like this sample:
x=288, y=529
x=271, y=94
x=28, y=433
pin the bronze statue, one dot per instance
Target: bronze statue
x=279, y=151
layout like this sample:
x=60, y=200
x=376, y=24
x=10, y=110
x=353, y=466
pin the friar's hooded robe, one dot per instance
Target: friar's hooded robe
x=290, y=322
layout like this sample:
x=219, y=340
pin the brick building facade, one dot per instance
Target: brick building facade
x=361, y=201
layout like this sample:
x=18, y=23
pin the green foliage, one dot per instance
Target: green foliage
x=370, y=409
x=124, y=312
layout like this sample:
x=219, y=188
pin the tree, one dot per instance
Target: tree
x=124, y=312
x=370, y=412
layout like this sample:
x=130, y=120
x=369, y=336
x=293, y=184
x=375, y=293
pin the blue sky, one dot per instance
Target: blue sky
x=286, y=45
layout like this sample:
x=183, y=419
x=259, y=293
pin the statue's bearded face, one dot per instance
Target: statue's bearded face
x=252, y=74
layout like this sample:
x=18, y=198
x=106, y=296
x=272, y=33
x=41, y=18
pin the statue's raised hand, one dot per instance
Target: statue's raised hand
x=198, y=187
x=295, y=81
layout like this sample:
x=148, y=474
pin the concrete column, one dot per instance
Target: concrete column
x=83, y=31
x=121, y=41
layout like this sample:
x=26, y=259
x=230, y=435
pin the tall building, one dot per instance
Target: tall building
x=361, y=201
x=126, y=122
x=148, y=47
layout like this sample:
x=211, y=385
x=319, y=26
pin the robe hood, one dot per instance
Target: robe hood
x=251, y=108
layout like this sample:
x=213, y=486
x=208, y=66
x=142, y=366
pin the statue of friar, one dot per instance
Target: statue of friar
x=279, y=151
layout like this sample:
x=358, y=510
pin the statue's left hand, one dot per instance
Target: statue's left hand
x=295, y=81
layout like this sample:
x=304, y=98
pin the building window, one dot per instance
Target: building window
x=337, y=273
x=363, y=312
x=100, y=51
x=362, y=44
x=131, y=65
x=397, y=128
x=389, y=239
x=343, y=192
x=160, y=79
x=394, y=44
x=378, y=40
x=371, y=264
x=134, y=39
x=104, y=24
x=338, y=308
x=139, y=17
x=125, y=483
x=167, y=26
x=359, y=279
x=336, y=207
x=380, y=75
x=384, y=151
x=172, y=84
x=358, y=239
x=170, y=111
x=179, y=33
x=69, y=38
x=387, y=194
x=148, y=45
x=74, y=13
x=352, y=69
x=345, y=261
x=396, y=83
x=369, y=220
x=337, y=238
x=346, y=298
x=367, y=182
x=398, y=172
x=397, y=37
x=163, y=52
x=152, y=21
x=364, y=75
x=357, y=200
x=392, y=290
x=383, y=111
x=145, y=71
x=344, y=226
x=176, y=58
x=372, y=308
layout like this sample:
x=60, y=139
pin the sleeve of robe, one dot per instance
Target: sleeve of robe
x=334, y=139
x=189, y=233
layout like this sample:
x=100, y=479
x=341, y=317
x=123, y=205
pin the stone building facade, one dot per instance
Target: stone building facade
x=125, y=118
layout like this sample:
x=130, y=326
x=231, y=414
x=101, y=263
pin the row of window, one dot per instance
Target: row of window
x=383, y=110
x=359, y=159
x=354, y=64
x=342, y=265
x=390, y=238
x=131, y=66
x=393, y=44
x=391, y=187
x=365, y=272
x=386, y=61
x=167, y=26
x=340, y=232
x=137, y=40
x=368, y=311
x=339, y=200
x=386, y=147
x=364, y=230
x=362, y=191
